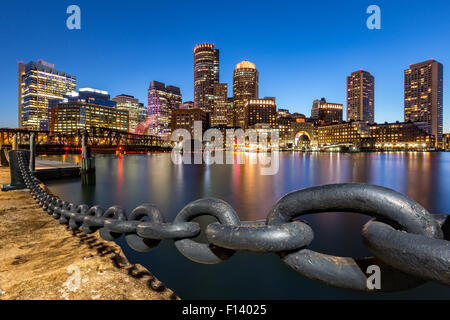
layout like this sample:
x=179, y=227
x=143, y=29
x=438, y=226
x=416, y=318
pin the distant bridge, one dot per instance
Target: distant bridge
x=100, y=140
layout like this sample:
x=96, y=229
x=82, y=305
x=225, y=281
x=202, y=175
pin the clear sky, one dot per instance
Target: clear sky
x=303, y=49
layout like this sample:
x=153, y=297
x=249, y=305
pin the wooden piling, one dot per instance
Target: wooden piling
x=87, y=161
x=32, y=152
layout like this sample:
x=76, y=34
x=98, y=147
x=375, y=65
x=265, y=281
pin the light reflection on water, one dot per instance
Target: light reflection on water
x=133, y=179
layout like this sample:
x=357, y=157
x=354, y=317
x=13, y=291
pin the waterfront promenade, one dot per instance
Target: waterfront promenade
x=42, y=259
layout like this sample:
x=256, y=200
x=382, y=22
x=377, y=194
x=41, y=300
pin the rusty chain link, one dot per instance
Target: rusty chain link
x=410, y=246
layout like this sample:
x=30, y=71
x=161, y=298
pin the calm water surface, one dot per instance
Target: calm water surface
x=133, y=179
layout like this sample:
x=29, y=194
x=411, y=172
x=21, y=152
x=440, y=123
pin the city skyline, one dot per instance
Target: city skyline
x=214, y=95
x=295, y=95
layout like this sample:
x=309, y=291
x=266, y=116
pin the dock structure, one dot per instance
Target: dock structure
x=47, y=169
x=43, y=169
x=50, y=169
x=41, y=259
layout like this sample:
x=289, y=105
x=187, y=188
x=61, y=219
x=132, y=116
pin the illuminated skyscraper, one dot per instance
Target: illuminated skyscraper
x=219, y=115
x=361, y=97
x=258, y=111
x=245, y=87
x=326, y=112
x=38, y=83
x=86, y=109
x=206, y=74
x=134, y=108
x=161, y=101
x=424, y=96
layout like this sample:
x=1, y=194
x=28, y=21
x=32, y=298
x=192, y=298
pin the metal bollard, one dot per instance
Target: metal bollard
x=3, y=161
x=17, y=182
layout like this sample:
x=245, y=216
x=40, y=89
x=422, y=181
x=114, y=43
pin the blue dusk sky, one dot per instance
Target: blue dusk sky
x=304, y=50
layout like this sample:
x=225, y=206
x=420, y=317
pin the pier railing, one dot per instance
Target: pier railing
x=410, y=245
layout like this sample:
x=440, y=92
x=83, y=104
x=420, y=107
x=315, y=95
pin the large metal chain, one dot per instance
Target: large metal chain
x=409, y=244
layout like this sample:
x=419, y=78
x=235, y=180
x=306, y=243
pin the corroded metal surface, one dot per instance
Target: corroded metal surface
x=382, y=203
x=424, y=257
x=260, y=237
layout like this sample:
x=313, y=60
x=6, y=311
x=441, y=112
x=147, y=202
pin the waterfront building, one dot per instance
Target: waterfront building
x=185, y=118
x=261, y=129
x=229, y=144
x=361, y=97
x=38, y=83
x=162, y=100
x=206, y=74
x=219, y=114
x=446, y=141
x=245, y=87
x=303, y=135
x=424, y=96
x=260, y=111
x=352, y=134
x=401, y=136
x=325, y=112
x=135, y=109
x=284, y=126
x=86, y=110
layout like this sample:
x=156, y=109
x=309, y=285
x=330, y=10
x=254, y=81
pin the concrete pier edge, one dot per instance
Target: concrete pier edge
x=44, y=260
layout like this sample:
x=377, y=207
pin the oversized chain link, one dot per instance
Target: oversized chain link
x=409, y=244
